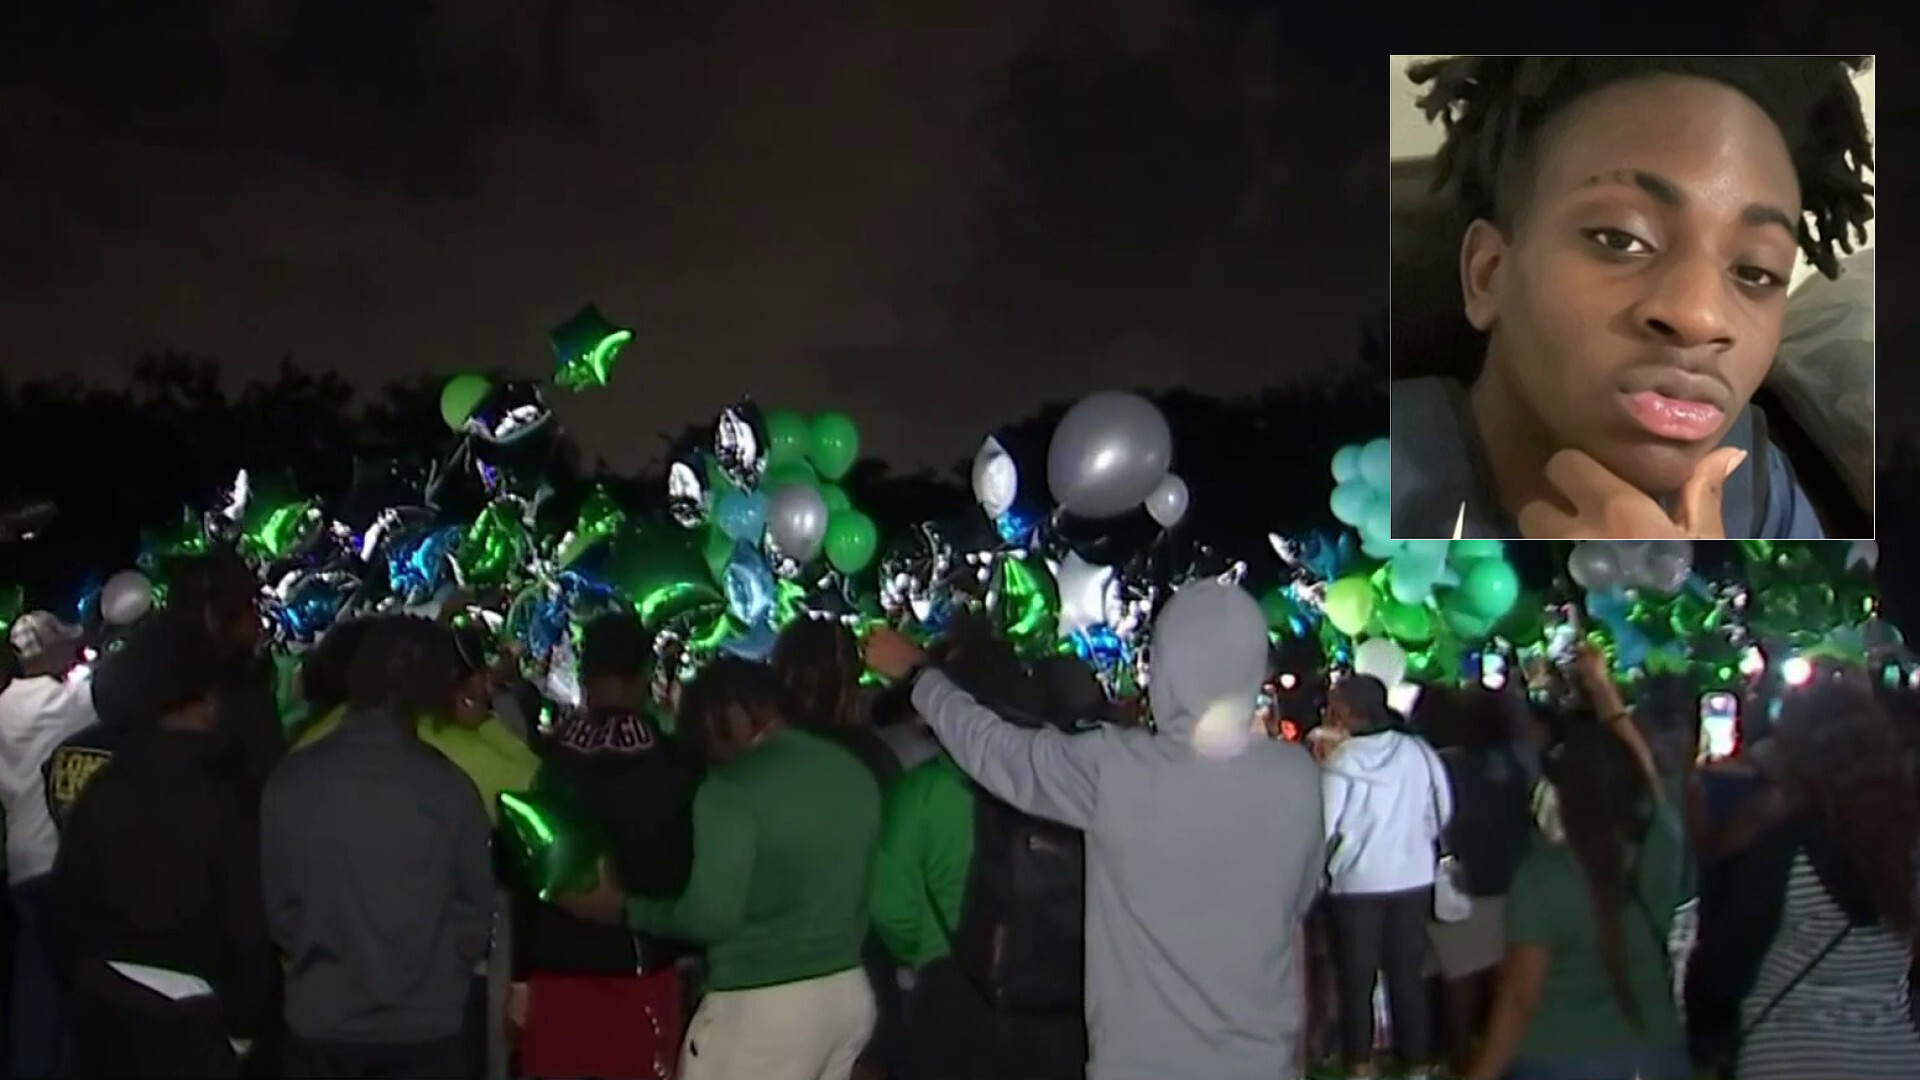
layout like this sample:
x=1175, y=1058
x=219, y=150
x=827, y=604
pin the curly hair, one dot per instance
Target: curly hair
x=819, y=661
x=1604, y=808
x=1844, y=757
x=1493, y=108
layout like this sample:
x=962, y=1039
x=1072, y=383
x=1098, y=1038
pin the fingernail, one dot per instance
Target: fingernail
x=1734, y=462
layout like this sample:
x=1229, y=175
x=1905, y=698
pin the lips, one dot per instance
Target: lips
x=1676, y=405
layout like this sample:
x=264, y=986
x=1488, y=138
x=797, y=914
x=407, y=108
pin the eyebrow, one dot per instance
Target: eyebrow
x=1666, y=192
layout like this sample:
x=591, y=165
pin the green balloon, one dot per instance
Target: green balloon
x=790, y=474
x=664, y=571
x=789, y=439
x=1489, y=589
x=1466, y=551
x=835, y=497
x=1468, y=625
x=1349, y=604
x=851, y=540
x=1408, y=624
x=1279, y=608
x=836, y=444
x=462, y=395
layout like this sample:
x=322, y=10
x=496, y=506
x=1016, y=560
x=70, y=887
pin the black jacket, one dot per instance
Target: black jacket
x=639, y=785
x=251, y=740
x=160, y=864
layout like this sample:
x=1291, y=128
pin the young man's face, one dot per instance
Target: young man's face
x=1638, y=304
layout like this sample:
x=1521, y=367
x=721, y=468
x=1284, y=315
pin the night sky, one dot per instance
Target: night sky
x=793, y=201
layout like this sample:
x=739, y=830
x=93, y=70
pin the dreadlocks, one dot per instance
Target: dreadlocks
x=1492, y=107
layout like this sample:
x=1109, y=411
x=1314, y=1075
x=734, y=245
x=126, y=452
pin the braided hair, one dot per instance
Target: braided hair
x=1493, y=107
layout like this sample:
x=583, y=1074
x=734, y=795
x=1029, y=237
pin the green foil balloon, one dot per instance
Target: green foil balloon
x=277, y=528
x=851, y=540
x=585, y=348
x=789, y=438
x=494, y=543
x=1029, y=605
x=600, y=518
x=663, y=571
x=836, y=444
x=551, y=840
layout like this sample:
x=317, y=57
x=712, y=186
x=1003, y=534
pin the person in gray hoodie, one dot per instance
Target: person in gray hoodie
x=1204, y=844
x=1387, y=800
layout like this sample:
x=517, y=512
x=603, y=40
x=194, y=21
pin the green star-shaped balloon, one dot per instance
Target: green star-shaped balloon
x=585, y=348
x=552, y=843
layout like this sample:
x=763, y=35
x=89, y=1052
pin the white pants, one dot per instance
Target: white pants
x=814, y=1029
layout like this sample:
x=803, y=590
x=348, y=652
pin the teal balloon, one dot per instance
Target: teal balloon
x=1489, y=589
x=1379, y=520
x=1346, y=464
x=1376, y=464
x=1349, y=503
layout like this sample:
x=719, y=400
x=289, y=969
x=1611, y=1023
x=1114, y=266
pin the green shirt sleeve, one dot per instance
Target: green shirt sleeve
x=1544, y=894
x=714, y=904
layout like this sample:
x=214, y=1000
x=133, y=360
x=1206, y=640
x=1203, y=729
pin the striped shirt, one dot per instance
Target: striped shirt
x=1848, y=1015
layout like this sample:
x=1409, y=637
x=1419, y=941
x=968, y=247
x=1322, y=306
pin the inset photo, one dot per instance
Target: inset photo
x=1632, y=297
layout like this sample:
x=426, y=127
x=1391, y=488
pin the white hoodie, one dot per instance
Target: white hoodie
x=1387, y=799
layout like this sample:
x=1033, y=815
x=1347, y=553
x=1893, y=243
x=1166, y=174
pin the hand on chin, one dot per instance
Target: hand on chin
x=1606, y=507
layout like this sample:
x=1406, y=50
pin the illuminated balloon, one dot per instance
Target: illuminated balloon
x=749, y=584
x=741, y=444
x=741, y=515
x=662, y=572
x=1028, y=602
x=1489, y=589
x=126, y=598
x=1083, y=589
x=508, y=413
x=1108, y=453
x=585, y=348
x=834, y=445
x=1168, y=503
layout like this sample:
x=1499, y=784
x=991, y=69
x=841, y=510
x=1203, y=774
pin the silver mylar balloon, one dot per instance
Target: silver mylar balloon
x=996, y=479
x=1108, y=454
x=126, y=598
x=1168, y=503
x=797, y=521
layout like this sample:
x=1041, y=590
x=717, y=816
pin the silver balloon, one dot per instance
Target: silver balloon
x=1108, y=454
x=1595, y=566
x=126, y=598
x=797, y=521
x=1665, y=565
x=1168, y=503
x=1084, y=589
x=996, y=479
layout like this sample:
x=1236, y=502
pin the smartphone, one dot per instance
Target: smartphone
x=1719, y=726
x=1493, y=671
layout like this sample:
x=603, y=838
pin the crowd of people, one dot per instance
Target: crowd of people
x=981, y=868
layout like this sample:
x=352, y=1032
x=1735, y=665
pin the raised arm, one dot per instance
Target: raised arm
x=1041, y=771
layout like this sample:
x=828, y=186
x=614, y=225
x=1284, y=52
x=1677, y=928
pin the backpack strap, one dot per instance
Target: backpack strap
x=1747, y=1032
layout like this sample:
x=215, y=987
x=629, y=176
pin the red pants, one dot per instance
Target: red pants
x=620, y=1027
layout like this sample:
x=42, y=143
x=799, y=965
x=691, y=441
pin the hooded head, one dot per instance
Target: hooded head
x=1208, y=660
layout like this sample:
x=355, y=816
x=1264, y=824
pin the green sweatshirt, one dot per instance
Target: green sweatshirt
x=783, y=842
x=926, y=851
x=492, y=757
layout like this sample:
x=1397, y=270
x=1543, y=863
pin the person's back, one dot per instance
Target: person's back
x=376, y=871
x=816, y=816
x=1204, y=846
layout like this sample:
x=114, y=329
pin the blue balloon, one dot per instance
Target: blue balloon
x=749, y=584
x=752, y=643
x=1350, y=502
x=741, y=515
x=1376, y=465
x=1346, y=464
